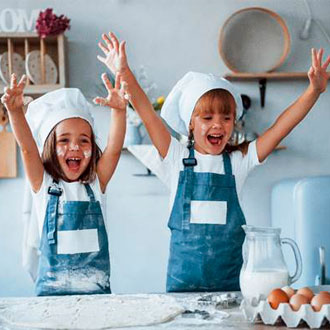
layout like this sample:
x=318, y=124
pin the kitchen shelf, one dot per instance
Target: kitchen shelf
x=267, y=75
x=23, y=43
x=263, y=76
x=280, y=147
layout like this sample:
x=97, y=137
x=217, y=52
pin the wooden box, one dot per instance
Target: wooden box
x=24, y=42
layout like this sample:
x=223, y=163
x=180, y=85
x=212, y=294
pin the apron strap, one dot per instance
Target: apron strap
x=89, y=192
x=191, y=160
x=188, y=164
x=55, y=192
x=227, y=163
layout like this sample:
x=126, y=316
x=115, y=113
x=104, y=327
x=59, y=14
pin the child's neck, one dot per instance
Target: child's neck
x=204, y=152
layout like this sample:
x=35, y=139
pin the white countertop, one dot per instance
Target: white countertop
x=203, y=310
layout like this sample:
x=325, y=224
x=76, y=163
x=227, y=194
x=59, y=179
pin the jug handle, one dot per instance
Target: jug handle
x=297, y=257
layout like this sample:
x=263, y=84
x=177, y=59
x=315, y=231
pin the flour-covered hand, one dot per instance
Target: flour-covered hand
x=13, y=97
x=317, y=73
x=115, y=54
x=117, y=96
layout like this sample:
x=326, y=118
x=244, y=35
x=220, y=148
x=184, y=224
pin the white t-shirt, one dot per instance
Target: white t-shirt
x=168, y=169
x=72, y=191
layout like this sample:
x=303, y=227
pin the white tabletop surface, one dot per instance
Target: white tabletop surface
x=208, y=311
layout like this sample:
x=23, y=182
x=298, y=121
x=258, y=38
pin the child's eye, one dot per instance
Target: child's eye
x=84, y=141
x=227, y=117
x=207, y=118
x=63, y=140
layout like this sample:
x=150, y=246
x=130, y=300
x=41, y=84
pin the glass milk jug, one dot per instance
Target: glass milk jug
x=264, y=268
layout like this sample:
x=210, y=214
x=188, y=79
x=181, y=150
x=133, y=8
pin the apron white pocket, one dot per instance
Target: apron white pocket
x=211, y=212
x=77, y=241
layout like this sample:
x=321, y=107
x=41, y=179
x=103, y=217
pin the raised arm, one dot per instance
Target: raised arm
x=13, y=101
x=297, y=111
x=110, y=157
x=116, y=60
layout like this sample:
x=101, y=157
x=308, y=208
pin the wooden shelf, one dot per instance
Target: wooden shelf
x=19, y=35
x=280, y=147
x=266, y=75
x=24, y=42
x=36, y=89
x=262, y=77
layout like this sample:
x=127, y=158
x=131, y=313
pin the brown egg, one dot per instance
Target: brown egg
x=289, y=291
x=307, y=292
x=325, y=292
x=319, y=300
x=297, y=300
x=276, y=297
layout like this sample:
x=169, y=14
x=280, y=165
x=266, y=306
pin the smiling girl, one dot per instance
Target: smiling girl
x=206, y=177
x=68, y=175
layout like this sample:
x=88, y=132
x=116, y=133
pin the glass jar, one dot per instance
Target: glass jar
x=264, y=268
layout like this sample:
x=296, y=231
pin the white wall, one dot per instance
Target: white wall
x=169, y=38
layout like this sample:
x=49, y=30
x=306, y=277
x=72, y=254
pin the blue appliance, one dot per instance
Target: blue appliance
x=301, y=208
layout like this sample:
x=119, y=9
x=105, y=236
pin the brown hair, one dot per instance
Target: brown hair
x=220, y=101
x=243, y=147
x=52, y=166
x=216, y=100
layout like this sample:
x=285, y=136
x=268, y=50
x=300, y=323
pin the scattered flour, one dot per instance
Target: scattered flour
x=90, y=311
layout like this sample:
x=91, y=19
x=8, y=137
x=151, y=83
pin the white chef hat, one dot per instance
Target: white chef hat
x=181, y=101
x=44, y=113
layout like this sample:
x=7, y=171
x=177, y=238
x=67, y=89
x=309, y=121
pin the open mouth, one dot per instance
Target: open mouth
x=73, y=163
x=215, y=139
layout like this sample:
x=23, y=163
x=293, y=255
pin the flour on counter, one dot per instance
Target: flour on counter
x=91, y=311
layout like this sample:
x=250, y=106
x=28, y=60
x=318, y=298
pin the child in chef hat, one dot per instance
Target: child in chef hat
x=205, y=179
x=68, y=175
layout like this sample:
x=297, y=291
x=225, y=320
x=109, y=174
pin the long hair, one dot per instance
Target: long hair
x=52, y=165
x=217, y=101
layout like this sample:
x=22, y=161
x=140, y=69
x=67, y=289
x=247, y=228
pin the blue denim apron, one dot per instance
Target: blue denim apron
x=205, y=257
x=73, y=273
